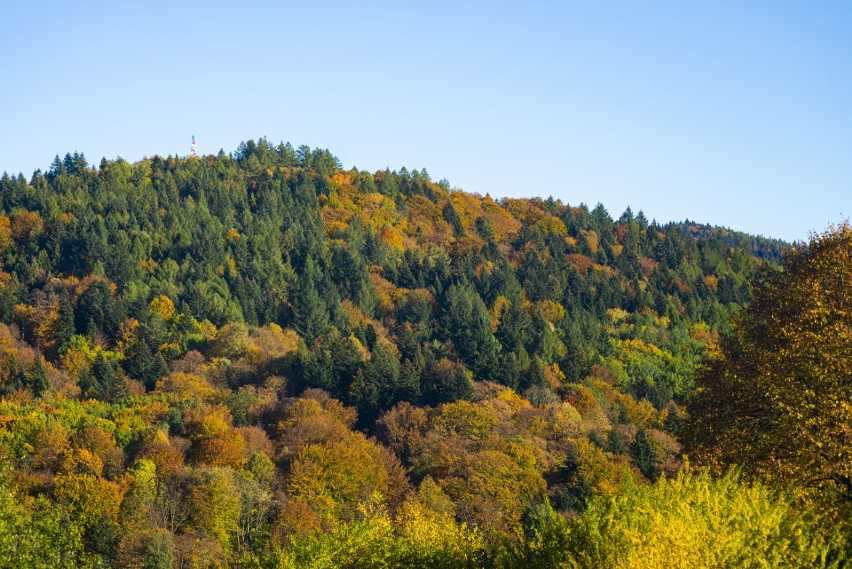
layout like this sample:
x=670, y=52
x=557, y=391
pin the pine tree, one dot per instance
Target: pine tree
x=109, y=380
x=469, y=326
x=65, y=323
x=37, y=380
x=312, y=317
x=644, y=455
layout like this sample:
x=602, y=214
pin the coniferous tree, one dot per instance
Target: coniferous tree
x=312, y=317
x=108, y=379
x=37, y=380
x=65, y=323
x=469, y=326
x=643, y=453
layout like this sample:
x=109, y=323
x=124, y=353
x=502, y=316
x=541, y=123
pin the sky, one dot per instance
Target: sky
x=732, y=113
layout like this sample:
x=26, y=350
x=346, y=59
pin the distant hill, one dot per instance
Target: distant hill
x=759, y=246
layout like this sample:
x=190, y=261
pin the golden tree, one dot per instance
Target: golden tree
x=777, y=399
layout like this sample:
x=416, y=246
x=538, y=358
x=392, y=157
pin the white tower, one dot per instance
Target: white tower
x=193, y=149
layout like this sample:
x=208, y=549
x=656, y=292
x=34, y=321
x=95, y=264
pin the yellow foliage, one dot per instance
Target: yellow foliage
x=392, y=238
x=552, y=311
x=354, y=316
x=604, y=472
x=81, y=461
x=127, y=332
x=515, y=401
x=386, y=293
x=465, y=419
x=74, y=361
x=5, y=233
x=336, y=478
x=335, y=229
x=274, y=342
x=552, y=224
x=182, y=386
x=163, y=306
x=591, y=239
x=617, y=315
x=500, y=303
x=88, y=497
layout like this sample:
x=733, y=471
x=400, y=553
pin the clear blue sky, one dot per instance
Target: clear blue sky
x=733, y=113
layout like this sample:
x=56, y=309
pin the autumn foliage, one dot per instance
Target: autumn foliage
x=265, y=360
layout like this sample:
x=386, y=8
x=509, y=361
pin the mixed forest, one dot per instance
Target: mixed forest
x=264, y=360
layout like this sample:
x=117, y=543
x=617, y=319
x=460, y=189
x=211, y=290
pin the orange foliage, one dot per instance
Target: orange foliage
x=89, y=279
x=554, y=376
x=580, y=262
x=504, y=223
x=26, y=225
x=295, y=518
x=392, y=238
x=647, y=266
x=255, y=440
x=159, y=450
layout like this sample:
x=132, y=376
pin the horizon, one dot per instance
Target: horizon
x=735, y=116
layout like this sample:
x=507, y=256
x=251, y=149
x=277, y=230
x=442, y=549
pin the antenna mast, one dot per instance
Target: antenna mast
x=193, y=149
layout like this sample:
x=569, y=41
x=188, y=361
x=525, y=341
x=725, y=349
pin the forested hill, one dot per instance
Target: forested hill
x=231, y=327
x=761, y=247
x=515, y=291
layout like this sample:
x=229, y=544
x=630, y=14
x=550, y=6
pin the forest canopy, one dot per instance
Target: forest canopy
x=262, y=359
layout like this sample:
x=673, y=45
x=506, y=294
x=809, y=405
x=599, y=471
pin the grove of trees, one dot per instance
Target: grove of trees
x=265, y=360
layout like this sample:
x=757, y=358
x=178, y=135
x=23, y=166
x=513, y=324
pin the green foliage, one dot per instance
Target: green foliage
x=264, y=360
x=468, y=325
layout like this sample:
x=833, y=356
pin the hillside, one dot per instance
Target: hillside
x=219, y=358
x=527, y=293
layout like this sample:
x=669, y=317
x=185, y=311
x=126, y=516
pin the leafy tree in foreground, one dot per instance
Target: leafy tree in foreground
x=778, y=398
x=693, y=520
